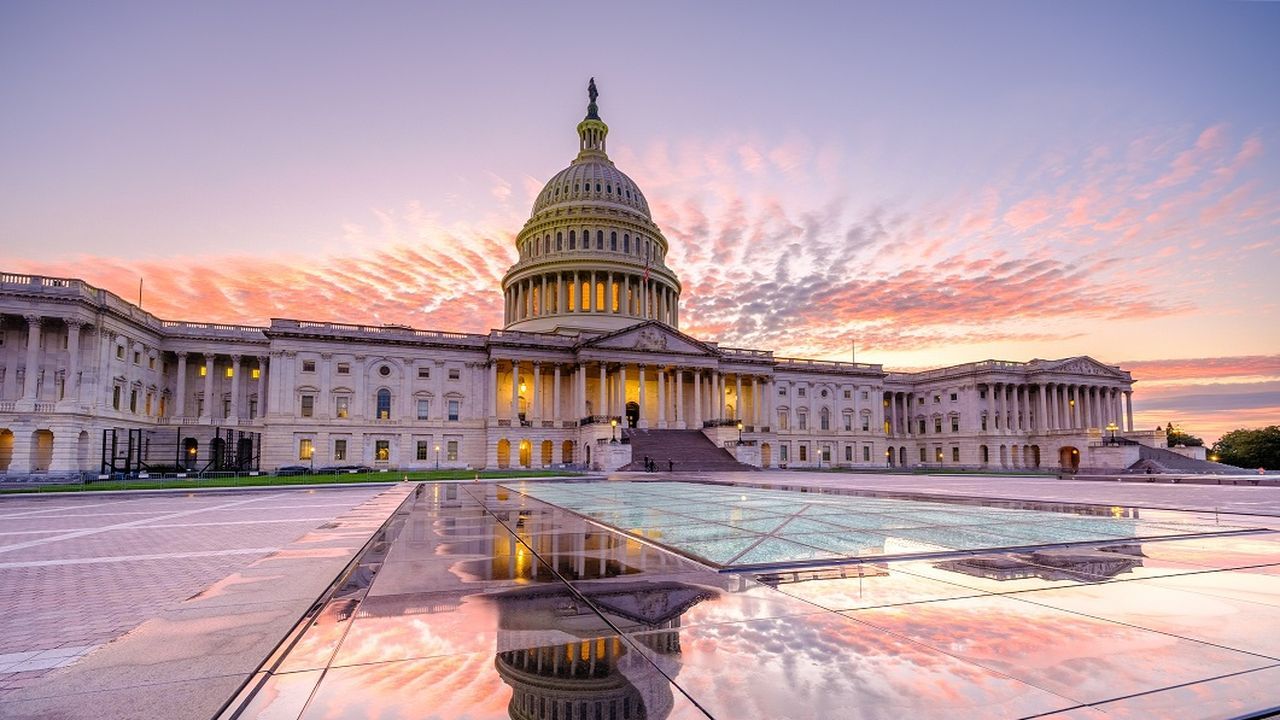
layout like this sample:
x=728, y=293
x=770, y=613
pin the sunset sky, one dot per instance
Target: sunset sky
x=941, y=182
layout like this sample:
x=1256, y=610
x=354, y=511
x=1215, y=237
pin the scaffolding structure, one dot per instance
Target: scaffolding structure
x=193, y=449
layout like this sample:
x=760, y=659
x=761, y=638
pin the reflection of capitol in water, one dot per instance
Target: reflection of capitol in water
x=592, y=677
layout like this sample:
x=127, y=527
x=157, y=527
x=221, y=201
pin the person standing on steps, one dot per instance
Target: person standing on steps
x=671, y=466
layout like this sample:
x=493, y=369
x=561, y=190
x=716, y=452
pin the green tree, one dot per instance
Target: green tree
x=1176, y=437
x=1250, y=448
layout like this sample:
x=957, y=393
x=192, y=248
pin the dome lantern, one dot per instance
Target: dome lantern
x=592, y=130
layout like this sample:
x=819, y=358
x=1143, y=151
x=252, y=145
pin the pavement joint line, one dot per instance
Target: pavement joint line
x=55, y=509
x=135, y=558
x=133, y=523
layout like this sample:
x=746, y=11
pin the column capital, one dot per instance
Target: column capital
x=75, y=322
x=236, y=358
x=36, y=320
x=182, y=354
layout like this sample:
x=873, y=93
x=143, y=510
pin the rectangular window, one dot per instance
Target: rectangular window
x=204, y=370
x=848, y=453
x=921, y=427
x=848, y=423
x=955, y=424
x=256, y=373
x=424, y=373
x=230, y=371
x=826, y=453
x=920, y=400
x=115, y=397
x=424, y=450
x=151, y=363
x=200, y=407
x=226, y=407
x=804, y=422
x=866, y=453
x=119, y=352
x=937, y=399
x=453, y=410
x=308, y=405
x=148, y=404
x=782, y=392
x=133, y=401
x=923, y=455
x=341, y=406
x=308, y=366
x=864, y=395
x=982, y=394
x=866, y=423
x=339, y=449
x=783, y=452
x=937, y=453
x=848, y=394
x=424, y=408
x=804, y=452
x=382, y=450
x=451, y=450
x=984, y=423
x=955, y=454
x=344, y=368
x=953, y=397
x=305, y=449
x=800, y=392
x=253, y=407
x=937, y=425
x=137, y=358
x=455, y=374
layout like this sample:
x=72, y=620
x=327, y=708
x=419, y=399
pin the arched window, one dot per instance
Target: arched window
x=597, y=187
x=608, y=189
x=599, y=239
x=573, y=240
x=546, y=245
x=613, y=241
x=384, y=405
x=559, y=242
x=626, y=244
x=824, y=417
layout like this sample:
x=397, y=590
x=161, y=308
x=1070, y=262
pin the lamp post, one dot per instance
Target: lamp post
x=613, y=430
x=739, y=432
x=1112, y=428
x=437, y=456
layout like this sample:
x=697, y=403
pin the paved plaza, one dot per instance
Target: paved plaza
x=79, y=570
x=479, y=600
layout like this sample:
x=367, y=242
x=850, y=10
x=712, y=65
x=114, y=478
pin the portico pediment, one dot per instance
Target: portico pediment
x=651, y=337
x=1083, y=365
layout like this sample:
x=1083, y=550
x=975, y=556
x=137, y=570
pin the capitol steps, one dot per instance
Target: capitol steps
x=688, y=450
x=1162, y=460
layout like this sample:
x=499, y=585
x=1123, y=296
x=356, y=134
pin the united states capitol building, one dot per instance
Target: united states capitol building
x=590, y=370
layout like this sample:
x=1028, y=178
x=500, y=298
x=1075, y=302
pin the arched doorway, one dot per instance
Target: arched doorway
x=1004, y=456
x=41, y=450
x=6, y=449
x=633, y=414
x=217, y=447
x=889, y=456
x=1069, y=458
x=902, y=456
x=504, y=453
x=526, y=453
x=984, y=454
x=82, y=451
x=766, y=455
x=548, y=451
x=190, y=451
x=1035, y=456
x=566, y=452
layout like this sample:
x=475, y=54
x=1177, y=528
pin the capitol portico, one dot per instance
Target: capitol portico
x=589, y=365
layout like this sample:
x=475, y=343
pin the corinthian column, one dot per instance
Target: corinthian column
x=32, y=373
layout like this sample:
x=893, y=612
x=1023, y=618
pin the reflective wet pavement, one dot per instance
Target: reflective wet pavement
x=486, y=603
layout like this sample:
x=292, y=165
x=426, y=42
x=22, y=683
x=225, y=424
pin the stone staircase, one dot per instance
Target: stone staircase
x=689, y=450
x=1160, y=460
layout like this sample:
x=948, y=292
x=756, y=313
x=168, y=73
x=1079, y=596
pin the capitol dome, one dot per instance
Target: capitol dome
x=591, y=257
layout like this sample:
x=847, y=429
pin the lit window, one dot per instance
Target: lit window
x=256, y=373
x=204, y=370
x=306, y=450
x=451, y=450
x=230, y=371
x=308, y=405
x=384, y=404
x=382, y=450
x=341, y=406
x=453, y=410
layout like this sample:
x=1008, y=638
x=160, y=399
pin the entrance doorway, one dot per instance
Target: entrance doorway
x=1069, y=458
x=633, y=414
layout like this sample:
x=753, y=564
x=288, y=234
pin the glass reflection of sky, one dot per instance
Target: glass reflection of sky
x=741, y=526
